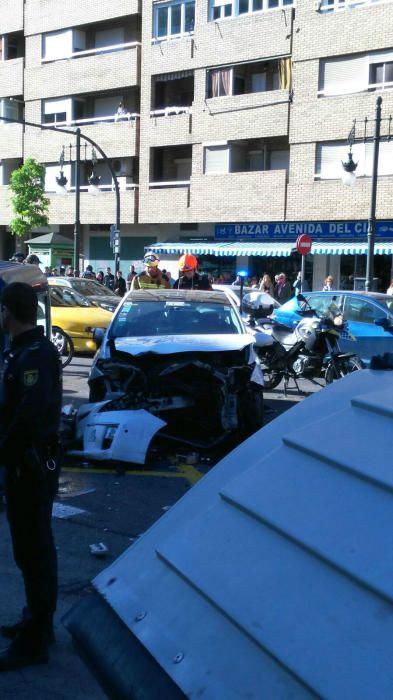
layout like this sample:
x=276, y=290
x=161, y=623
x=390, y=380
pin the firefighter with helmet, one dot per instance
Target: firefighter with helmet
x=189, y=278
x=152, y=277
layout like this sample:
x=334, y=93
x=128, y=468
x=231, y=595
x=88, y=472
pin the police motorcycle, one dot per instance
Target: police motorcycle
x=310, y=351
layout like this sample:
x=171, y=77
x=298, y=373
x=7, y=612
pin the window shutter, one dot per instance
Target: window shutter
x=340, y=76
x=385, y=160
x=57, y=106
x=58, y=44
x=217, y=159
x=381, y=57
x=330, y=155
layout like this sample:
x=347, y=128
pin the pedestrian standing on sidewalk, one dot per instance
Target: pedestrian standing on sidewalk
x=120, y=287
x=29, y=449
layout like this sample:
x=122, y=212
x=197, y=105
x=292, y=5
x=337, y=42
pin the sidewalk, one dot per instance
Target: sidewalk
x=65, y=676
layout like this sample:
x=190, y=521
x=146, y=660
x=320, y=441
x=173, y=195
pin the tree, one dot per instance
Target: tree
x=28, y=201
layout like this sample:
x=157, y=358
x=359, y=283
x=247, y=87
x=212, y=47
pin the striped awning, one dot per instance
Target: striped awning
x=233, y=249
x=350, y=248
x=238, y=249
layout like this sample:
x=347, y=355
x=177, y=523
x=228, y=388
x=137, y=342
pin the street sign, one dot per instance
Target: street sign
x=303, y=244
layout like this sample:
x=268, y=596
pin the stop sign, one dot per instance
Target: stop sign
x=303, y=244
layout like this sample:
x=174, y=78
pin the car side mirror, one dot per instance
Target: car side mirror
x=301, y=298
x=384, y=322
x=98, y=336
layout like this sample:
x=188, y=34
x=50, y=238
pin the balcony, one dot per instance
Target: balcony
x=171, y=108
x=336, y=32
x=255, y=35
x=45, y=17
x=323, y=200
x=101, y=71
x=244, y=196
x=98, y=210
x=12, y=16
x=165, y=203
x=258, y=114
x=11, y=141
x=11, y=77
x=338, y=5
x=116, y=139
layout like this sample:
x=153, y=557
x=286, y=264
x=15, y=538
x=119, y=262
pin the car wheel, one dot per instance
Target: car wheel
x=63, y=344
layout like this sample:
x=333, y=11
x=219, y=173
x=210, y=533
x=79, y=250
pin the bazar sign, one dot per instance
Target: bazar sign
x=289, y=230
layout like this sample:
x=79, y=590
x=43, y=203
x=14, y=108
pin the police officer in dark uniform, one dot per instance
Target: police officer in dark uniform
x=29, y=449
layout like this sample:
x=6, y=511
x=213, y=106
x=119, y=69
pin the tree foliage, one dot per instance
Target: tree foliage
x=29, y=203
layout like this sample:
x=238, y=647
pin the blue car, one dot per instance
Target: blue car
x=360, y=309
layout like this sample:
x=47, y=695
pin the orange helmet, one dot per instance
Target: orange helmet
x=187, y=262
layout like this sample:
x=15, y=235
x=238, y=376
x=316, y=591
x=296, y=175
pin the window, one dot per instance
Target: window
x=11, y=108
x=220, y=82
x=217, y=159
x=381, y=75
x=329, y=157
x=246, y=78
x=173, y=19
x=246, y=155
x=361, y=311
x=358, y=73
x=62, y=44
x=335, y=5
x=56, y=111
x=220, y=9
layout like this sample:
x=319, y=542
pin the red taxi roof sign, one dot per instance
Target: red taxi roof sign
x=303, y=244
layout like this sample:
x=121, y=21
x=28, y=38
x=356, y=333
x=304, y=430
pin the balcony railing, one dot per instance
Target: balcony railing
x=336, y=5
x=129, y=117
x=170, y=111
x=102, y=188
x=93, y=52
x=170, y=183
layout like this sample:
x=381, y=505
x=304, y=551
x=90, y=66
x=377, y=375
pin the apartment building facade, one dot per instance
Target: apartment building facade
x=226, y=122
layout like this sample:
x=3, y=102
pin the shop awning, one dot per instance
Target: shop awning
x=233, y=249
x=237, y=249
x=350, y=248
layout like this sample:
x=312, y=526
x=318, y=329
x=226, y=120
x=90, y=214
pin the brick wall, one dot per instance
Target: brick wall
x=49, y=15
x=81, y=75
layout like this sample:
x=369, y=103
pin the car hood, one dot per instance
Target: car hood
x=80, y=317
x=169, y=344
x=99, y=298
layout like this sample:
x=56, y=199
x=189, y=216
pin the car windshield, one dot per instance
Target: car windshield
x=89, y=288
x=147, y=318
x=65, y=296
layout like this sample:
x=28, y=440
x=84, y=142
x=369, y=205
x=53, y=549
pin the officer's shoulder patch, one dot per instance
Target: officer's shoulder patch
x=30, y=377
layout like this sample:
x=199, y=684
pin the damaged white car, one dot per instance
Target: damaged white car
x=176, y=364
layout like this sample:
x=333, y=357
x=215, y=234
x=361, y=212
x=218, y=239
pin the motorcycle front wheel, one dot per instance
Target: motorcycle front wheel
x=271, y=378
x=340, y=367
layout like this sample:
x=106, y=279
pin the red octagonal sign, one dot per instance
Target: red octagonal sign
x=303, y=244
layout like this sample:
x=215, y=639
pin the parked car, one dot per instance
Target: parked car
x=178, y=361
x=75, y=316
x=94, y=291
x=360, y=309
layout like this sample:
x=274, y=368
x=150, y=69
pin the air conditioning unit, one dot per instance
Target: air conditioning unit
x=123, y=166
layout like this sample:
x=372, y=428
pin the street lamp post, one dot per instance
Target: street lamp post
x=349, y=178
x=78, y=134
